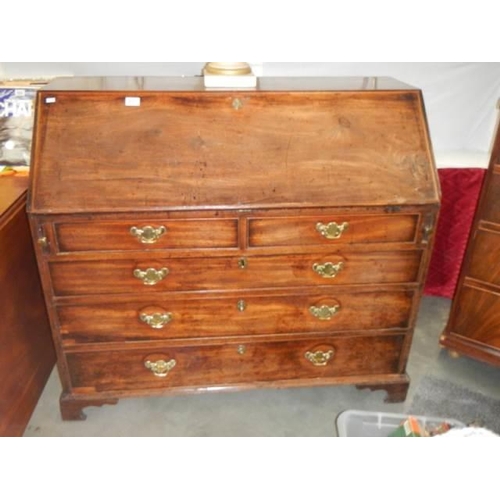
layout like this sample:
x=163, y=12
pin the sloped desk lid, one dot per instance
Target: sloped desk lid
x=116, y=144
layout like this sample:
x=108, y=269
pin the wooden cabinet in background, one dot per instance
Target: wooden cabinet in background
x=194, y=240
x=474, y=325
x=26, y=349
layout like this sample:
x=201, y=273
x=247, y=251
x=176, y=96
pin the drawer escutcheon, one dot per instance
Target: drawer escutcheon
x=328, y=269
x=161, y=367
x=319, y=358
x=148, y=234
x=156, y=320
x=324, y=313
x=332, y=230
x=151, y=276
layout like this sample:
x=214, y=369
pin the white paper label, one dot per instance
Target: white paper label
x=50, y=100
x=132, y=101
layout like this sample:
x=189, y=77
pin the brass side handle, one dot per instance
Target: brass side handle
x=328, y=269
x=151, y=276
x=156, y=320
x=43, y=243
x=148, y=234
x=332, y=230
x=319, y=358
x=324, y=313
x=160, y=368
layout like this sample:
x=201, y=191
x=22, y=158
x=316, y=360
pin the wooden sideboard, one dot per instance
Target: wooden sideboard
x=192, y=240
x=26, y=349
x=473, y=328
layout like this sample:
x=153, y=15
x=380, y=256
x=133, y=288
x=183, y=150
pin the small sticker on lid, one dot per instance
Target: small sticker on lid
x=50, y=100
x=132, y=101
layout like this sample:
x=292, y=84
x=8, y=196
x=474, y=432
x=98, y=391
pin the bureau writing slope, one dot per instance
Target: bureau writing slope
x=193, y=240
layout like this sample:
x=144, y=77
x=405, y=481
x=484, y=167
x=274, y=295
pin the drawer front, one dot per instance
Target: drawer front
x=147, y=234
x=248, y=315
x=231, y=273
x=478, y=316
x=216, y=365
x=485, y=256
x=332, y=230
x=491, y=206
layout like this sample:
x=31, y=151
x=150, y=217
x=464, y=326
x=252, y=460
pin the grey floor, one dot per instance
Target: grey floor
x=270, y=412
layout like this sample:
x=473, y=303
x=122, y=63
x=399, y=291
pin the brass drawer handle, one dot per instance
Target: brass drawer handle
x=148, y=234
x=332, y=230
x=151, y=276
x=319, y=358
x=156, y=320
x=161, y=367
x=328, y=269
x=324, y=313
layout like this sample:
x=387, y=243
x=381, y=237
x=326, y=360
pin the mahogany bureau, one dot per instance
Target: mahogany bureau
x=193, y=239
x=473, y=327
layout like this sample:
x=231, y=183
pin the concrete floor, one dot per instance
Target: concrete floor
x=271, y=412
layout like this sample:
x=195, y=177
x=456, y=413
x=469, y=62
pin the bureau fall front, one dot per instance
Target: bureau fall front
x=204, y=239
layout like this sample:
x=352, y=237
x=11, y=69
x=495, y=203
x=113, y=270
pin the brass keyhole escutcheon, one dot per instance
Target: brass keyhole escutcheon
x=237, y=104
x=241, y=349
x=242, y=262
x=241, y=305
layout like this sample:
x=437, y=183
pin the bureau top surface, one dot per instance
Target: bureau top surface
x=195, y=84
x=142, y=144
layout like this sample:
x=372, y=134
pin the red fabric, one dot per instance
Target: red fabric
x=460, y=189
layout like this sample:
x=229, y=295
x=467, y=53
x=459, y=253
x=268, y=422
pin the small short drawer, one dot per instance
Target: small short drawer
x=247, y=363
x=179, y=318
x=332, y=230
x=233, y=273
x=147, y=235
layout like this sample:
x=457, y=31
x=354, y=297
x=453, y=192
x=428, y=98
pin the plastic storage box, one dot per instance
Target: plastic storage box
x=353, y=423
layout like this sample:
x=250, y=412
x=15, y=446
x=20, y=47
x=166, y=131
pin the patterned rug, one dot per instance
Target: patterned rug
x=440, y=398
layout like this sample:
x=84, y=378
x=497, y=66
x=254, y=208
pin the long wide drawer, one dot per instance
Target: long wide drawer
x=217, y=365
x=216, y=273
x=146, y=235
x=332, y=229
x=172, y=318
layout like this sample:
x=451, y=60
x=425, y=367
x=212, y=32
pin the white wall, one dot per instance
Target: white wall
x=460, y=98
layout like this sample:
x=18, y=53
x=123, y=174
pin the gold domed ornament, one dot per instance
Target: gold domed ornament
x=229, y=75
